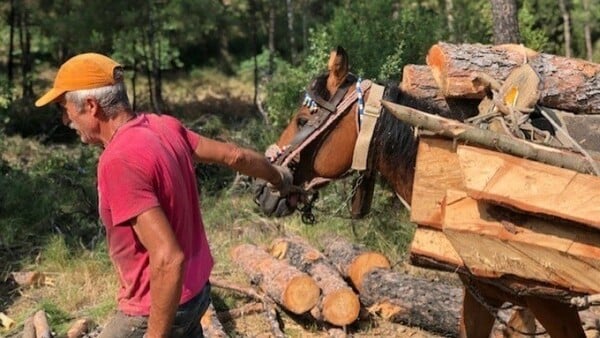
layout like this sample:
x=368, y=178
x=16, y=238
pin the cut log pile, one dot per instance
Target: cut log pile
x=506, y=208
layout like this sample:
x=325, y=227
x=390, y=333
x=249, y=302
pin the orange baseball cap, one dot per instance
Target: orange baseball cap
x=83, y=71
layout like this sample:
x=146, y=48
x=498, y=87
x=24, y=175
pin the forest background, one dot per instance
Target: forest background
x=233, y=70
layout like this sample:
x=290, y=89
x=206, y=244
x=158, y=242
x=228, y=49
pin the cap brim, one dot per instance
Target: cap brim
x=49, y=97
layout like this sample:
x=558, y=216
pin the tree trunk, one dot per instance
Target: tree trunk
x=272, y=26
x=450, y=19
x=11, y=43
x=504, y=143
x=292, y=35
x=506, y=23
x=352, y=261
x=567, y=83
x=566, y=16
x=286, y=285
x=26, y=57
x=420, y=91
x=587, y=31
x=406, y=299
x=338, y=304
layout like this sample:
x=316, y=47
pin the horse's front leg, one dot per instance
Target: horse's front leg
x=476, y=320
x=559, y=319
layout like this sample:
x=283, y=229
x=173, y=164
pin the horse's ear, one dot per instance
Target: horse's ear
x=338, y=68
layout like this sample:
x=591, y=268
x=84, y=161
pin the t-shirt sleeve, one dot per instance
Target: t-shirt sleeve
x=128, y=189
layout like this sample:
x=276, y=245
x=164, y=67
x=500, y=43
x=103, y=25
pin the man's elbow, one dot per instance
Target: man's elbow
x=172, y=261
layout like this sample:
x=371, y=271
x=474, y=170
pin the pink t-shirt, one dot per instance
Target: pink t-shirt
x=149, y=163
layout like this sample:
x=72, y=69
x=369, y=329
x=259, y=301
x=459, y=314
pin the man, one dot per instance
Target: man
x=148, y=200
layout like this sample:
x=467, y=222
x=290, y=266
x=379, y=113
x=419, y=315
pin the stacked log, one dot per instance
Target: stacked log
x=338, y=304
x=287, y=286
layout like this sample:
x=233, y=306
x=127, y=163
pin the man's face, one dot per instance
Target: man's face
x=82, y=121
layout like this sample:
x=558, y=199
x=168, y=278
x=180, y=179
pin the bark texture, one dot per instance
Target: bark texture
x=414, y=301
x=338, y=304
x=567, y=83
x=353, y=261
x=286, y=285
x=420, y=91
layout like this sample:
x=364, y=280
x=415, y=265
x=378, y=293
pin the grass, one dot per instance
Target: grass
x=54, y=227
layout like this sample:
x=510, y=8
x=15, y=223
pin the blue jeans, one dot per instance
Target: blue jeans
x=185, y=325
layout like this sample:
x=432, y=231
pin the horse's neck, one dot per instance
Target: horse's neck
x=401, y=178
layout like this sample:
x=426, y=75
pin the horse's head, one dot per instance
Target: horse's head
x=318, y=143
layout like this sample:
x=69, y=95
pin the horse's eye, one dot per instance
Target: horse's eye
x=301, y=121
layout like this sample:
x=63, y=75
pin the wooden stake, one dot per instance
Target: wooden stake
x=504, y=143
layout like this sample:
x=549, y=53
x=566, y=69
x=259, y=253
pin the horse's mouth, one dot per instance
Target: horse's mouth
x=272, y=204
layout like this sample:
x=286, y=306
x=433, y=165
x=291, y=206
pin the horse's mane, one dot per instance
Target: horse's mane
x=394, y=140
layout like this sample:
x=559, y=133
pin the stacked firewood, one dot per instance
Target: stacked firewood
x=334, y=285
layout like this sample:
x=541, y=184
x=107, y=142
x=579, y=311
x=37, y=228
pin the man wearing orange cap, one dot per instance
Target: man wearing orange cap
x=148, y=198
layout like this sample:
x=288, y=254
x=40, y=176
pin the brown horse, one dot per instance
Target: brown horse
x=318, y=146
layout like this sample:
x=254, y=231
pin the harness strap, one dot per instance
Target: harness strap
x=305, y=137
x=368, y=122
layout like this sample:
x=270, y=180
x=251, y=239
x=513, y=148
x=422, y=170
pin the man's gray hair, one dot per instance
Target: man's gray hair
x=111, y=99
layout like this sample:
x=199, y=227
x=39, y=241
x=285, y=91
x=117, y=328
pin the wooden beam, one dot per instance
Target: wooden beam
x=531, y=186
x=437, y=169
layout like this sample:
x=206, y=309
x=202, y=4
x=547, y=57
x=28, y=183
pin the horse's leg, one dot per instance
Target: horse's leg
x=559, y=319
x=476, y=320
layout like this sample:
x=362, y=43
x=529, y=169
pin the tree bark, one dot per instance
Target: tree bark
x=567, y=83
x=11, y=43
x=412, y=300
x=291, y=34
x=566, y=16
x=338, y=304
x=506, y=23
x=286, y=285
x=352, y=261
x=28, y=328
x=420, y=91
x=42, y=328
x=26, y=57
x=504, y=143
x=272, y=27
x=211, y=326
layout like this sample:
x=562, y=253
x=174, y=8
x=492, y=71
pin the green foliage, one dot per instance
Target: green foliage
x=533, y=37
x=473, y=21
x=55, y=195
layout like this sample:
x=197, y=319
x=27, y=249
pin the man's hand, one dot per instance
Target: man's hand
x=287, y=181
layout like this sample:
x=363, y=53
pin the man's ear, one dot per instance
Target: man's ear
x=91, y=104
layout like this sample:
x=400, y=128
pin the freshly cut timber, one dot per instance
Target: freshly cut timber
x=339, y=305
x=436, y=170
x=431, y=249
x=567, y=83
x=40, y=322
x=420, y=91
x=286, y=285
x=402, y=298
x=530, y=186
x=353, y=261
x=495, y=241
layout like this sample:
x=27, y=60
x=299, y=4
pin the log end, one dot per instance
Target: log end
x=301, y=294
x=436, y=60
x=341, y=308
x=365, y=263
